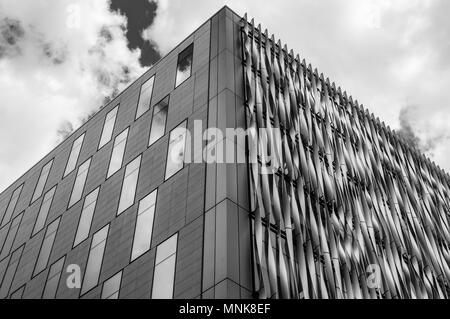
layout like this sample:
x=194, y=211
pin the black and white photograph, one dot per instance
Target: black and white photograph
x=205, y=151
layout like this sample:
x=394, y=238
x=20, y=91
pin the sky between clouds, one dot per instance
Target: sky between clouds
x=60, y=60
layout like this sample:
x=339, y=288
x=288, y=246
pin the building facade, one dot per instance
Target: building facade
x=327, y=203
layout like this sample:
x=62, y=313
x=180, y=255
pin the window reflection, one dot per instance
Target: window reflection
x=129, y=185
x=80, y=181
x=11, y=205
x=175, y=151
x=144, y=225
x=12, y=231
x=184, y=65
x=117, y=154
x=108, y=127
x=145, y=97
x=42, y=180
x=164, y=274
x=95, y=259
x=43, y=212
x=46, y=247
x=74, y=153
x=84, y=225
x=53, y=277
x=158, y=126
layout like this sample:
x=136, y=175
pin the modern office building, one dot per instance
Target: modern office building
x=327, y=203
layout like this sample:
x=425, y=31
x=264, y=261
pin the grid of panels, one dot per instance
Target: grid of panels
x=40, y=248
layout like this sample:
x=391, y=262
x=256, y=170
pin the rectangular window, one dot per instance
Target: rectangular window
x=184, y=65
x=74, y=153
x=129, y=185
x=11, y=205
x=117, y=153
x=145, y=97
x=144, y=225
x=54, y=274
x=12, y=232
x=43, y=211
x=10, y=273
x=46, y=247
x=108, y=127
x=41, y=181
x=175, y=151
x=158, y=126
x=111, y=287
x=164, y=273
x=84, y=225
x=95, y=259
x=80, y=181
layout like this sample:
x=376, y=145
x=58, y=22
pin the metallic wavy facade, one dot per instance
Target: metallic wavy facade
x=351, y=211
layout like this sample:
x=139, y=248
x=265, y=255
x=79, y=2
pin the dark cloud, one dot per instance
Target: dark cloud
x=140, y=15
x=11, y=31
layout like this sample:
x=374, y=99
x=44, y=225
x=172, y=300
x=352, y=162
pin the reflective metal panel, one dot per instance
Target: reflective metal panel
x=354, y=212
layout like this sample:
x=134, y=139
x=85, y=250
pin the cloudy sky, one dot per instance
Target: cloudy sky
x=61, y=60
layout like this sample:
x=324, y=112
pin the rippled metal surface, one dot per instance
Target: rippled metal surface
x=349, y=196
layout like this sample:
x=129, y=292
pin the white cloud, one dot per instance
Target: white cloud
x=59, y=60
x=387, y=54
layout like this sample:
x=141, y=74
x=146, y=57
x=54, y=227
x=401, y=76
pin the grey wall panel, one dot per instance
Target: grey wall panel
x=227, y=242
x=165, y=76
x=137, y=277
x=95, y=293
x=245, y=254
x=227, y=289
x=127, y=109
x=108, y=201
x=180, y=201
x=209, y=245
x=77, y=256
x=3, y=267
x=201, y=87
x=201, y=47
x=26, y=225
x=119, y=244
x=28, y=260
x=35, y=287
x=170, y=207
x=18, y=293
x=154, y=166
x=189, y=260
x=10, y=272
x=66, y=233
x=98, y=168
x=181, y=103
x=62, y=196
x=196, y=194
x=138, y=137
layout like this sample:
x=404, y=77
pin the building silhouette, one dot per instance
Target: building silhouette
x=329, y=202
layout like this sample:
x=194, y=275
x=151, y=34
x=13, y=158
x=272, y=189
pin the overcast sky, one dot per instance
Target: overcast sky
x=60, y=60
